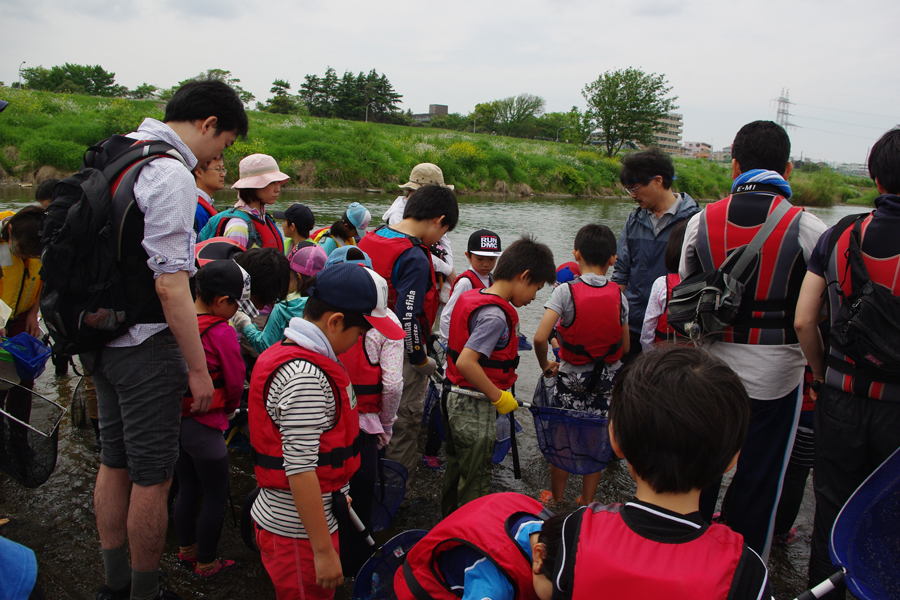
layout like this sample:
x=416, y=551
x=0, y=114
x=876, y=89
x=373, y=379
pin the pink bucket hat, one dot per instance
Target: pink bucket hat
x=258, y=171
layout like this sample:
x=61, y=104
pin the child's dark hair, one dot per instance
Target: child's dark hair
x=596, y=243
x=884, y=161
x=44, y=191
x=526, y=254
x=25, y=226
x=199, y=100
x=672, y=256
x=270, y=274
x=205, y=296
x=641, y=167
x=315, y=309
x=551, y=536
x=762, y=145
x=679, y=415
x=305, y=282
x=343, y=228
x=430, y=201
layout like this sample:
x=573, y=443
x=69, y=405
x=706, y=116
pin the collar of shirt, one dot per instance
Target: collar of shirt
x=250, y=209
x=151, y=129
x=659, y=222
x=204, y=195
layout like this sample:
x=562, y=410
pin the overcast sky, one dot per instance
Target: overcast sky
x=726, y=61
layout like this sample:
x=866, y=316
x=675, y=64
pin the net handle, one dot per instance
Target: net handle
x=62, y=411
x=475, y=394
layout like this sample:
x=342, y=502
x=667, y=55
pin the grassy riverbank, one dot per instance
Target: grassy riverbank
x=44, y=134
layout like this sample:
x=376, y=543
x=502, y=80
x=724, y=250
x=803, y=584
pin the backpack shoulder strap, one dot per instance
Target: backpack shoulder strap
x=838, y=230
x=752, y=249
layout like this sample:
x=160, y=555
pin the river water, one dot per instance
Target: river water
x=57, y=521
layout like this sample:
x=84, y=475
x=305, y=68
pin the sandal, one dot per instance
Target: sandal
x=187, y=562
x=222, y=565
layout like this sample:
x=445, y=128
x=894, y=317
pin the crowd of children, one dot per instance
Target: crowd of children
x=332, y=332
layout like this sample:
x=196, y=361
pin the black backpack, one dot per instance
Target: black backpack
x=84, y=300
x=704, y=304
x=867, y=325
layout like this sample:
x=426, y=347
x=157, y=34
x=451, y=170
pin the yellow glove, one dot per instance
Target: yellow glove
x=506, y=404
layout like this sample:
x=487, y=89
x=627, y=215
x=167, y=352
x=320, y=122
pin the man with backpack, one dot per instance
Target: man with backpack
x=760, y=345
x=142, y=375
x=855, y=381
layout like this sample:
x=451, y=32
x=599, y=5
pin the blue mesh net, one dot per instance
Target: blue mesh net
x=375, y=581
x=389, y=495
x=574, y=441
x=504, y=442
x=866, y=536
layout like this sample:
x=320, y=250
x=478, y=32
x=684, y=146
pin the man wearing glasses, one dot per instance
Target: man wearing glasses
x=210, y=179
x=640, y=251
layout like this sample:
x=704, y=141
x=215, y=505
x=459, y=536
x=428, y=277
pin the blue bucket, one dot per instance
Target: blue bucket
x=375, y=580
x=30, y=354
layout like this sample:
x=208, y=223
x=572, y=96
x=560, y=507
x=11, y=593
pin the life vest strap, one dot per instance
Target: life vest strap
x=334, y=459
x=217, y=384
x=484, y=361
x=368, y=389
x=413, y=584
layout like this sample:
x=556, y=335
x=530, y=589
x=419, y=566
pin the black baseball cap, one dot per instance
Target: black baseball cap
x=297, y=215
x=484, y=243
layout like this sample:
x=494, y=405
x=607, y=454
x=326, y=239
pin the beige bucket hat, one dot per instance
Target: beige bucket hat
x=425, y=174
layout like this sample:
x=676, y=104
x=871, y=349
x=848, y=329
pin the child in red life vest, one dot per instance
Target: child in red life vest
x=483, y=356
x=656, y=328
x=203, y=459
x=590, y=315
x=679, y=417
x=304, y=427
x=210, y=179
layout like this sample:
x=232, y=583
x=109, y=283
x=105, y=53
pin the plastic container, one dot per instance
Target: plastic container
x=8, y=374
x=30, y=354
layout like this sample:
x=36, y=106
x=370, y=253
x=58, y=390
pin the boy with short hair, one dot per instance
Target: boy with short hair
x=590, y=315
x=44, y=192
x=298, y=222
x=482, y=252
x=400, y=253
x=679, y=417
x=483, y=356
x=304, y=425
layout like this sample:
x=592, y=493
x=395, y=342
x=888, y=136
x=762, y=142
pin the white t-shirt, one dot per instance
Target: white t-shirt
x=462, y=285
x=768, y=372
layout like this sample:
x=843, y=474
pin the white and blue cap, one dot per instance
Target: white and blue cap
x=355, y=288
x=359, y=217
x=339, y=255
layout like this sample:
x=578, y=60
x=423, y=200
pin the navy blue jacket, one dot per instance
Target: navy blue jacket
x=641, y=257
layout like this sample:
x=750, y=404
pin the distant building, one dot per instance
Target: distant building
x=433, y=111
x=668, y=135
x=857, y=169
x=723, y=155
x=697, y=150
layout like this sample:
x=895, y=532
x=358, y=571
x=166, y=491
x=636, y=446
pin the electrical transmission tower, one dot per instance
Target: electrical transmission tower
x=783, y=109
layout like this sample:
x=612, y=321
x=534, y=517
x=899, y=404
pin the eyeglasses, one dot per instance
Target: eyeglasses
x=631, y=190
x=221, y=170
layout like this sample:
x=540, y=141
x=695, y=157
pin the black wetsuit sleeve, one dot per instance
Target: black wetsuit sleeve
x=751, y=578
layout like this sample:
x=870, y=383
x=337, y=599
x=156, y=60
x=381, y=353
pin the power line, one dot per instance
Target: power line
x=833, y=132
x=839, y=122
x=847, y=111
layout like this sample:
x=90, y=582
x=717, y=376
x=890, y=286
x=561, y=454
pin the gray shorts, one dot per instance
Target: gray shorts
x=139, y=391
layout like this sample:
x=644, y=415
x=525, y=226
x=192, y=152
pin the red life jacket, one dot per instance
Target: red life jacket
x=663, y=331
x=884, y=266
x=365, y=377
x=207, y=206
x=597, y=334
x=266, y=229
x=767, y=311
x=338, y=446
x=474, y=279
x=500, y=366
x=608, y=555
x=484, y=526
x=384, y=253
x=205, y=323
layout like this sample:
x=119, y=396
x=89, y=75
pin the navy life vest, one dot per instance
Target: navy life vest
x=338, y=446
x=482, y=525
x=600, y=552
x=500, y=366
x=205, y=323
x=597, y=334
x=766, y=314
x=261, y=232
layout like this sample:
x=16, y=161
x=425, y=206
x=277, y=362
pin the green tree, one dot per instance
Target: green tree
x=452, y=121
x=213, y=75
x=581, y=125
x=283, y=102
x=144, y=91
x=514, y=112
x=626, y=106
x=484, y=117
x=74, y=79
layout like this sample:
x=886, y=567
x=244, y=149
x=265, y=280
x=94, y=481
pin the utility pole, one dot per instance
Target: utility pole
x=20, y=75
x=783, y=117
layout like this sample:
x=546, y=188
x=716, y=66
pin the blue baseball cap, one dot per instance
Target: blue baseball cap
x=355, y=288
x=339, y=255
x=359, y=217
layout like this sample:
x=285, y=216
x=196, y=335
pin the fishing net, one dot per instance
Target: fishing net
x=78, y=409
x=30, y=353
x=375, y=580
x=574, y=441
x=504, y=442
x=29, y=435
x=866, y=535
x=390, y=489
